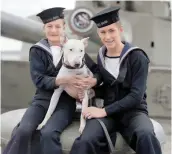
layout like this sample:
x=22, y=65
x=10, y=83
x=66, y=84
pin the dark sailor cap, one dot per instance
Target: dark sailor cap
x=51, y=14
x=106, y=17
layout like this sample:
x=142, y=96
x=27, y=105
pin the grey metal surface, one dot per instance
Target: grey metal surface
x=17, y=88
x=8, y=122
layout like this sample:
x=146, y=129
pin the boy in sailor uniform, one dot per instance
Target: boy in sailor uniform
x=124, y=69
x=43, y=73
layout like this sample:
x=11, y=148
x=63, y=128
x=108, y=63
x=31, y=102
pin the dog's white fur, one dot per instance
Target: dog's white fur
x=73, y=52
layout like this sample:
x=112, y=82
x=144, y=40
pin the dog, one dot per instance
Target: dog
x=73, y=56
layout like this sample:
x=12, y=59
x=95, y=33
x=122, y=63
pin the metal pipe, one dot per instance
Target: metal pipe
x=19, y=28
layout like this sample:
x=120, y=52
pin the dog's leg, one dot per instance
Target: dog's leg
x=53, y=103
x=84, y=105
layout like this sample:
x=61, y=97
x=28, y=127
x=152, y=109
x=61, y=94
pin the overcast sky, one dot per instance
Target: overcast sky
x=28, y=7
x=25, y=8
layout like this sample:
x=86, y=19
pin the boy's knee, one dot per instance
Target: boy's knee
x=24, y=132
x=144, y=132
x=50, y=134
x=89, y=139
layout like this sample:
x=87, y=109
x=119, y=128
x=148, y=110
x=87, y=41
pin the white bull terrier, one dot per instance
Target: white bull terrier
x=73, y=55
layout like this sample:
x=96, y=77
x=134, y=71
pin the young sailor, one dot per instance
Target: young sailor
x=43, y=74
x=124, y=69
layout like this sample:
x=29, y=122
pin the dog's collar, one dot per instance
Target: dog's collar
x=70, y=67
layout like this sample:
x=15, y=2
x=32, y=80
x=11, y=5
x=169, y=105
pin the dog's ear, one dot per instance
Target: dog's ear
x=85, y=41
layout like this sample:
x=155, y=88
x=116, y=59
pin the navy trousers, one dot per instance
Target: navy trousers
x=26, y=140
x=136, y=128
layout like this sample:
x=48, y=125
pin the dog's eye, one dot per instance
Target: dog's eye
x=70, y=49
x=81, y=50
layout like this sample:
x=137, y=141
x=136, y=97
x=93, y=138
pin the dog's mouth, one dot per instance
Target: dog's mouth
x=75, y=66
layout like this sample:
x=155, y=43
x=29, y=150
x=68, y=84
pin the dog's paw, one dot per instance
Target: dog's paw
x=40, y=126
x=81, y=128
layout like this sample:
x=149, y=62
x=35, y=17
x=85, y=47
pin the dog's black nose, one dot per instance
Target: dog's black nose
x=77, y=65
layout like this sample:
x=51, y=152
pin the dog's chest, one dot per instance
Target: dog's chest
x=81, y=71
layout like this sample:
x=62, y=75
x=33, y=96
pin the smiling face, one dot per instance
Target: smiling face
x=74, y=51
x=110, y=35
x=53, y=30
